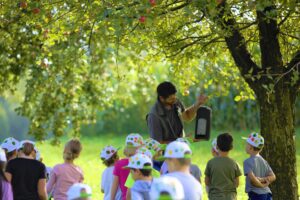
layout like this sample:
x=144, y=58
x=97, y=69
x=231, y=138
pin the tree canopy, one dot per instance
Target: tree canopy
x=77, y=56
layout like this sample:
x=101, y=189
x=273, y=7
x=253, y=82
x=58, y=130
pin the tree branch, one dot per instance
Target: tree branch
x=284, y=19
x=176, y=8
x=289, y=35
x=236, y=44
x=182, y=48
x=269, y=44
x=294, y=65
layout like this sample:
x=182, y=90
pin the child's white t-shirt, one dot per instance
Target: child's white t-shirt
x=192, y=188
x=106, y=182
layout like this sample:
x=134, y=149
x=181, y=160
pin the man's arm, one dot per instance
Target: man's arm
x=190, y=113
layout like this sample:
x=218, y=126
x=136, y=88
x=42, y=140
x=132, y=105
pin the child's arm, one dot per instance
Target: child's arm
x=42, y=189
x=270, y=178
x=237, y=181
x=207, y=181
x=8, y=176
x=128, y=194
x=51, y=182
x=255, y=181
x=114, y=188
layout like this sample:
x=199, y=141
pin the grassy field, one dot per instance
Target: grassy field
x=91, y=164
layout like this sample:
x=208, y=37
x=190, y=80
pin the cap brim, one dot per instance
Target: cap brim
x=163, y=146
x=160, y=158
x=147, y=167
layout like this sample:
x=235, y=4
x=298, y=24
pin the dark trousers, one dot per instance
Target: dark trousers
x=254, y=196
x=157, y=165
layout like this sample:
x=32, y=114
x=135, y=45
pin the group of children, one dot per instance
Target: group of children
x=150, y=170
x=23, y=176
x=135, y=177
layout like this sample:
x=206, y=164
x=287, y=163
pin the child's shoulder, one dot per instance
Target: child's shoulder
x=60, y=165
x=122, y=162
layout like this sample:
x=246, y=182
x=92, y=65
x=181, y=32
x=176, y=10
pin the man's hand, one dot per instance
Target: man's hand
x=201, y=99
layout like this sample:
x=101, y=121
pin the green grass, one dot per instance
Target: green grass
x=91, y=164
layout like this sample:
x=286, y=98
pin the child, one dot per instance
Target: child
x=10, y=146
x=214, y=150
x=65, y=175
x=194, y=169
x=178, y=157
x=130, y=181
x=48, y=172
x=5, y=187
x=222, y=173
x=27, y=175
x=258, y=172
x=133, y=142
x=166, y=188
x=140, y=167
x=157, y=149
x=109, y=156
x=79, y=191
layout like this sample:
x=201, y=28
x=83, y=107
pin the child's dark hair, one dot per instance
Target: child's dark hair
x=146, y=172
x=111, y=160
x=224, y=142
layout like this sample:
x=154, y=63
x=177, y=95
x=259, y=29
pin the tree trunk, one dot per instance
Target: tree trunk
x=277, y=116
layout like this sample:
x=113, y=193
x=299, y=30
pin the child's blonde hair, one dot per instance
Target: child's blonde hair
x=72, y=149
x=129, y=151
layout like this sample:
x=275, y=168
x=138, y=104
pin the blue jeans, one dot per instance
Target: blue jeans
x=254, y=196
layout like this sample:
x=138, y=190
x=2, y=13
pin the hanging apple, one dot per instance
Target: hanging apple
x=36, y=10
x=152, y=2
x=142, y=19
x=23, y=4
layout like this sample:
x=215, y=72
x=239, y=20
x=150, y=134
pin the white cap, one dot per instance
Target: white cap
x=214, y=144
x=24, y=142
x=255, y=140
x=134, y=140
x=178, y=150
x=145, y=151
x=153, y=144
x=166, y=185
x=107, y=152
x=37, y=154
x=10, y=144
x=185, y=140
x=2, y=155
x=138, y=161
x=79, y=190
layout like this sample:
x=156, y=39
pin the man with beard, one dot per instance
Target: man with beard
x=165, y=119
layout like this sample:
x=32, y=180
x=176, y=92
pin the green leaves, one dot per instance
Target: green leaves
x=77, y=57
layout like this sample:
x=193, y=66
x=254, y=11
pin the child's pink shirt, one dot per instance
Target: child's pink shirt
x=62, y=177
x=122, y=174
